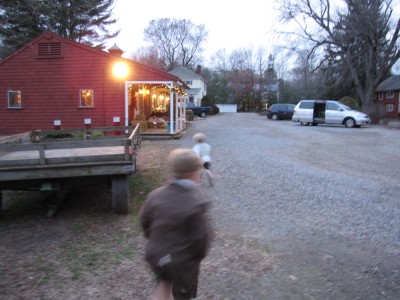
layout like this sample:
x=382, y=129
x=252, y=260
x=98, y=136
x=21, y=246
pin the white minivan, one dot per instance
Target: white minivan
x=314, y=112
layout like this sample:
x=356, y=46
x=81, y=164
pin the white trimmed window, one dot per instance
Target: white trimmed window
x=389, y=107
x=86, y=98
x=389, y=95
x=14, y=99
x=380, y=96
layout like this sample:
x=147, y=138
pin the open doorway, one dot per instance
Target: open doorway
x=319, y=112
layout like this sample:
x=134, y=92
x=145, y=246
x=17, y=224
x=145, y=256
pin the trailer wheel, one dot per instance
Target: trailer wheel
x=120, y=194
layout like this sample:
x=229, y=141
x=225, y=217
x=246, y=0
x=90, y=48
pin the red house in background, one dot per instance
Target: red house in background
x=54, y=82
x=388, y=96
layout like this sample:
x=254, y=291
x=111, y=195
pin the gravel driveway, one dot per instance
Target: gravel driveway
x=323, y=201
x=300, y=213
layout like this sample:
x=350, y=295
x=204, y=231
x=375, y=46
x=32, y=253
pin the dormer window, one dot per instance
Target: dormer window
x=49, y=50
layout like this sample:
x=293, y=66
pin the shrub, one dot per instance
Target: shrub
x=350, y=102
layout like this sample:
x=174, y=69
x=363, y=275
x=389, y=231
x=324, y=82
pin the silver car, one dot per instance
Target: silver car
x=316, y=112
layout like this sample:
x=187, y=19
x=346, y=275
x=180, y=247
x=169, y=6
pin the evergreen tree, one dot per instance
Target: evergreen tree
x=84, y=21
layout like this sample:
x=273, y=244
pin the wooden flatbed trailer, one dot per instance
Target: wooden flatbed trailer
x=58, y=159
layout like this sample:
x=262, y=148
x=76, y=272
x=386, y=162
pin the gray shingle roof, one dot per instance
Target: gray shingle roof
x=185, y=74
x=390, y=84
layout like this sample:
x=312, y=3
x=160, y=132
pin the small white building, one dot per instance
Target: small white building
x=227, y=108
x=197, y=84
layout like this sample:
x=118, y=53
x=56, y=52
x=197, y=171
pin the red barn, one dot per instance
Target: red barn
x=54, y=82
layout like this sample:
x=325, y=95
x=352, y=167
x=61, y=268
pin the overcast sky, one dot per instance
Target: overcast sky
x=230, y=24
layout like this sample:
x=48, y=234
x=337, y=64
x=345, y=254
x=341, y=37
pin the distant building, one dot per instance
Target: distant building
x=268, y=91
x=197, y=84
x=387, y=95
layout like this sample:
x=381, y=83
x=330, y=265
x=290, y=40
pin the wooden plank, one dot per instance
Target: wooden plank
x=42, y=156
x=85, y=144
x=16, y=139
x=4, y=164
x=82, y=133
x=85, y=159
x=19, y=156
x=75, y=171
x=19, y=147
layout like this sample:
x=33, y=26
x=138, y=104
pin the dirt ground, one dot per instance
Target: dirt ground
x=87, y=252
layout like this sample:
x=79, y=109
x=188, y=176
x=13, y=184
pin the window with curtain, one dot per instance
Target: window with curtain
x=86, y=98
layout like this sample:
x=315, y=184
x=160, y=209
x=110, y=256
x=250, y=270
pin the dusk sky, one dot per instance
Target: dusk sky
x=231, y=25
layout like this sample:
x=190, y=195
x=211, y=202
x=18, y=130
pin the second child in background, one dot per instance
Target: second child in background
x=203, y=150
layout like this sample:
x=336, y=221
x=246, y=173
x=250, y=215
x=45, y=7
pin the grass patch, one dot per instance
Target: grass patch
x=143, y=183
x=95, y=252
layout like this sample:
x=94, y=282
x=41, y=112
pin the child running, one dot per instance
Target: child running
x=203, y=150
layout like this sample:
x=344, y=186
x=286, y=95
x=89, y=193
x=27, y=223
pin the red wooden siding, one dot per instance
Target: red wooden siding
x=384, y=101
x=51, y=87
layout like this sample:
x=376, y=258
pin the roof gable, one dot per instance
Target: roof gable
x=186, y=74
x=49, y=51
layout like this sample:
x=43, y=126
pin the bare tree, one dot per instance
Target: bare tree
x=358, y=43
x=306, y=79
x=246, y=73
x=148, y=56
x=281, y=64
x=178, y=42
x=260, y=67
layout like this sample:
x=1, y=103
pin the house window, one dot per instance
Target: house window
x=189, y=82
x=86, y=98
x=14, y=99
x=389, y=107
x=380, y=96
x=49, y=50
x=389, y=95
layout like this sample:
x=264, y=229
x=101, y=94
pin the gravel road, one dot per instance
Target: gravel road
x=322, y=201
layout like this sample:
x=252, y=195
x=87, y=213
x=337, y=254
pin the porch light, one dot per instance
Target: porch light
x=120, y=70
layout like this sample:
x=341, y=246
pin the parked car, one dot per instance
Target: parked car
x=201, y=111
x=314, y=112
x=281, y=111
